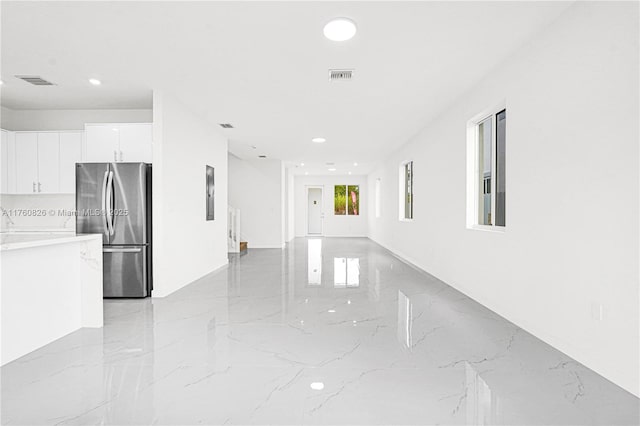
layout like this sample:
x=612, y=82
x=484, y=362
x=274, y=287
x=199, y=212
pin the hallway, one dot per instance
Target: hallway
x=327, y=331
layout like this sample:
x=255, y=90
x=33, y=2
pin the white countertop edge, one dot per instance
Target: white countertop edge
x=63, y=239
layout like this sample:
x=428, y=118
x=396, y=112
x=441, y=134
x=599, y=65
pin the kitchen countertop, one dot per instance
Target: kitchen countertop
x=22, y=240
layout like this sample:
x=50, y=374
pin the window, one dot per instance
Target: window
x=378, y=197
x=346, y=200
x=406, y=191
x=487, y=142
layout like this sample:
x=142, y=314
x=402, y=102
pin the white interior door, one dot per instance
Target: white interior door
x=26, y=163
x=48, y=162
x=70, y=154
x=314, y=211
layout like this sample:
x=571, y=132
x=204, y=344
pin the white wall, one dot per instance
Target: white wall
x=186, y=245
x=256, y=188
x=332, y=225
x=572, y=192
x=11, y=119
x=290, y=206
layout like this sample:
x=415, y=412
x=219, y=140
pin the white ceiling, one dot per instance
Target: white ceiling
x=263, y=66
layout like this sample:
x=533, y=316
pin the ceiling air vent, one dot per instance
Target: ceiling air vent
x=262, y=156
x=340, y=75
x=35, y=80
x=226, y=126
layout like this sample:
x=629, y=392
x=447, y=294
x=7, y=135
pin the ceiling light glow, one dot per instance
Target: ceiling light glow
x=340, y=29
x=318, y=140
x=317, y=385
x=332, y=170
x=355, y=164
x=95, y=81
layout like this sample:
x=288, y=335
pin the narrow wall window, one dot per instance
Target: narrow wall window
x=339, y=200
x=346, y=200
x=406, y=190
x=488, y=138
x=378, y=197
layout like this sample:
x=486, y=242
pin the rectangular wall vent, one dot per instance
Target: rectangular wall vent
x=340, y=75
x=226, y=126
x=35, y=80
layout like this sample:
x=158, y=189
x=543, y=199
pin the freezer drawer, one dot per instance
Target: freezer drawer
x=125, y=271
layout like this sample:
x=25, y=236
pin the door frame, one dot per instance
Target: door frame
x=306, y=208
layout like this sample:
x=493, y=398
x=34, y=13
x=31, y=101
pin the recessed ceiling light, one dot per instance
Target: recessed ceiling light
x=349, y=172
x=318, y=140
x=301, y=164
x=340, y=29
x=332, y=169
x=355, y=164
x=317, y=385
x=95, y=81
x=331, y=311
x=1, y=82
x=306, y=173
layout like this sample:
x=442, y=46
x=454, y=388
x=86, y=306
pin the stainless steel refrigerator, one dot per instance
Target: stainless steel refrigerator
x=114, y=199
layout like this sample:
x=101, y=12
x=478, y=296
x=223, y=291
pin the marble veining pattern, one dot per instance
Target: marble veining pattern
x=280, y=338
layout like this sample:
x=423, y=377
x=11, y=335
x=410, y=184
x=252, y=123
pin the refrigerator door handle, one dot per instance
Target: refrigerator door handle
x=122, y=249
x=104, y=200
x=110, y=203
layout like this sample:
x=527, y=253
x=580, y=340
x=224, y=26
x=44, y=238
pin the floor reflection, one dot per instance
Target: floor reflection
x=405, y=321
x=481, y=404
x=346, y=272
x=314, y=261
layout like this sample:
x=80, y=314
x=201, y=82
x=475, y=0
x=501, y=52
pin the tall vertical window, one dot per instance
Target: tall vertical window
x=378, y=197
x=346, y=200
x=406, y=190
x=488, y=138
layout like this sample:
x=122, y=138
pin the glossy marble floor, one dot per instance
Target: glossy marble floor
x=331, y=331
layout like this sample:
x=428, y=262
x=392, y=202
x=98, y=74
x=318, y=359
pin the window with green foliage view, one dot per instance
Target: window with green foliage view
x=346, y=200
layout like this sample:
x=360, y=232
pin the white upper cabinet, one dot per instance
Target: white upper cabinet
x=26, y=163
x=70, y=154
x=40, y=162
x=48, y=162
x=108, y=143
x=102, y=143
x=136, y=143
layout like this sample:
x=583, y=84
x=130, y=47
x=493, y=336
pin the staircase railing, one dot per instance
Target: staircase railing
x=233, y=225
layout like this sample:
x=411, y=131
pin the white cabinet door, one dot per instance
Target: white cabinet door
x=4, y=162
x=136, y=143
x=102, y=143
x=49, y=162
x=26, y=163
x=70, y=154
